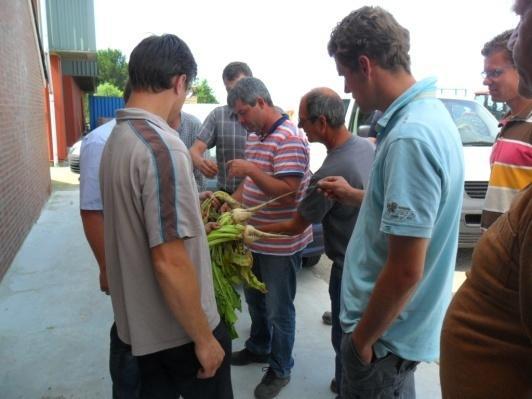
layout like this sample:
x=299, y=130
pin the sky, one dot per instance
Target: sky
x=285, y=42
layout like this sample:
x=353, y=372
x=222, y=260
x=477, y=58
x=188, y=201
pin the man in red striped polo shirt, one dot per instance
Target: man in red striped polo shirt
x=277, y=162
x=511, y=157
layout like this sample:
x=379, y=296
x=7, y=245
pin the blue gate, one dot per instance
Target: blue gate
x=103, y=107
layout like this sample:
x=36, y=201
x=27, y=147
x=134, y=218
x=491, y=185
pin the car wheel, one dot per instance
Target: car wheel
x=310, y=261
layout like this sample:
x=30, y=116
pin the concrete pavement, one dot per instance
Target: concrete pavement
x=55, y=322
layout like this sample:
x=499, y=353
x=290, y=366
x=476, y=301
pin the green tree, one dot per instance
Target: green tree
x=107, y=89
x=112, y=67
x=203, y=92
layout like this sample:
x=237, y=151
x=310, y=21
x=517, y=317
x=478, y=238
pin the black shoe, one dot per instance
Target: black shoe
x=327, y=318
x=270, y=385
x=243, y=357
x=334, y=386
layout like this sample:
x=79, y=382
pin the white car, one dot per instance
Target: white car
x=478, y=129
x=73, y=156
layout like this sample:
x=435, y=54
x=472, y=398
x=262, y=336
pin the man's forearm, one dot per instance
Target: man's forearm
x=281, y=227
x=393, y=289
x=357, y=195
x=178, y=281
x=337, y=188
x=296, y=225
x=386, y=303
x=93, y=226
x=270, y=185
x=196, y=152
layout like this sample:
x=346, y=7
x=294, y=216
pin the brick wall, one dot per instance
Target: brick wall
x=73, y=110
x=24, y=167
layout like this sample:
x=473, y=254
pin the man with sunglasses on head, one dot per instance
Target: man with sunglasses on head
x=511, y=157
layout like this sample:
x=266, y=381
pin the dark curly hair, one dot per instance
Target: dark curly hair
x=499, y=43
x=373, y=32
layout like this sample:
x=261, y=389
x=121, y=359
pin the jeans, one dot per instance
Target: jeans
x=273, y=315
x=124, y=368
x=335, y=287
x=385, y=378
x=169, y=373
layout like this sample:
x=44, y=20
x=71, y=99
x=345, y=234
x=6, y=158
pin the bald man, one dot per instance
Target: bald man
x=348, y=162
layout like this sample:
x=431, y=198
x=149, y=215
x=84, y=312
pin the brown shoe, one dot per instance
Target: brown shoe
x=270, y=385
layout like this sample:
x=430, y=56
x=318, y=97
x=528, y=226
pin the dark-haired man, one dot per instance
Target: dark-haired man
x=156, y=252
x=511, y=155
x=222, y=129
x=400, y=259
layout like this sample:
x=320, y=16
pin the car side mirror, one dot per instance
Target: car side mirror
x=363, y=130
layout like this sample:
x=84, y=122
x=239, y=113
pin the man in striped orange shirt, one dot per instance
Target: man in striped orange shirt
x=511, y=157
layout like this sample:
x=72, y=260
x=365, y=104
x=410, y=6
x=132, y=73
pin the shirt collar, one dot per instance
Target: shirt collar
x=425, y=88
x=273, y=127
x=137, y=113
x=524, y=116
x=232, y=114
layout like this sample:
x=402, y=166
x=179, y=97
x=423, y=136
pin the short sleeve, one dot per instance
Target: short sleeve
x=412, y=189
x=291, y=158
x=314, y=206
x=207, y=132
x=90, y=198
x=169, y=198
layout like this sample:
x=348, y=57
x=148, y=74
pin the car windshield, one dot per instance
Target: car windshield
x=476, y=125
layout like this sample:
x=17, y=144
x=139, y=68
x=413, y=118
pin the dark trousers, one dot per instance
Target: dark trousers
x=273, y=315
x=335, y=287
x=172, y=372
x=389, y=377
x=124, y=368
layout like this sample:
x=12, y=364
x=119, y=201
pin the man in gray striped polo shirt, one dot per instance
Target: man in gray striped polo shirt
x=222, y=129
x=156, y=252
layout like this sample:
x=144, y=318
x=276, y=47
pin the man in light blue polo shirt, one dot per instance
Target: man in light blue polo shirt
x=399, y=263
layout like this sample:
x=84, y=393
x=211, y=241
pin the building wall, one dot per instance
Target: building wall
x=59, y=106
x=73, y=110
x=24, y=166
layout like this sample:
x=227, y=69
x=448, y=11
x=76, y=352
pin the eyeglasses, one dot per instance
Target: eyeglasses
x=303, y=120
x=493, y=73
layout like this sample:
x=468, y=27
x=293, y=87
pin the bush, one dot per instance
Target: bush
x=107, y=89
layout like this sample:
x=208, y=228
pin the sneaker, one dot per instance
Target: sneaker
x=334, y=386
x=270, y=385
x=245, y=356
x=327, y=318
